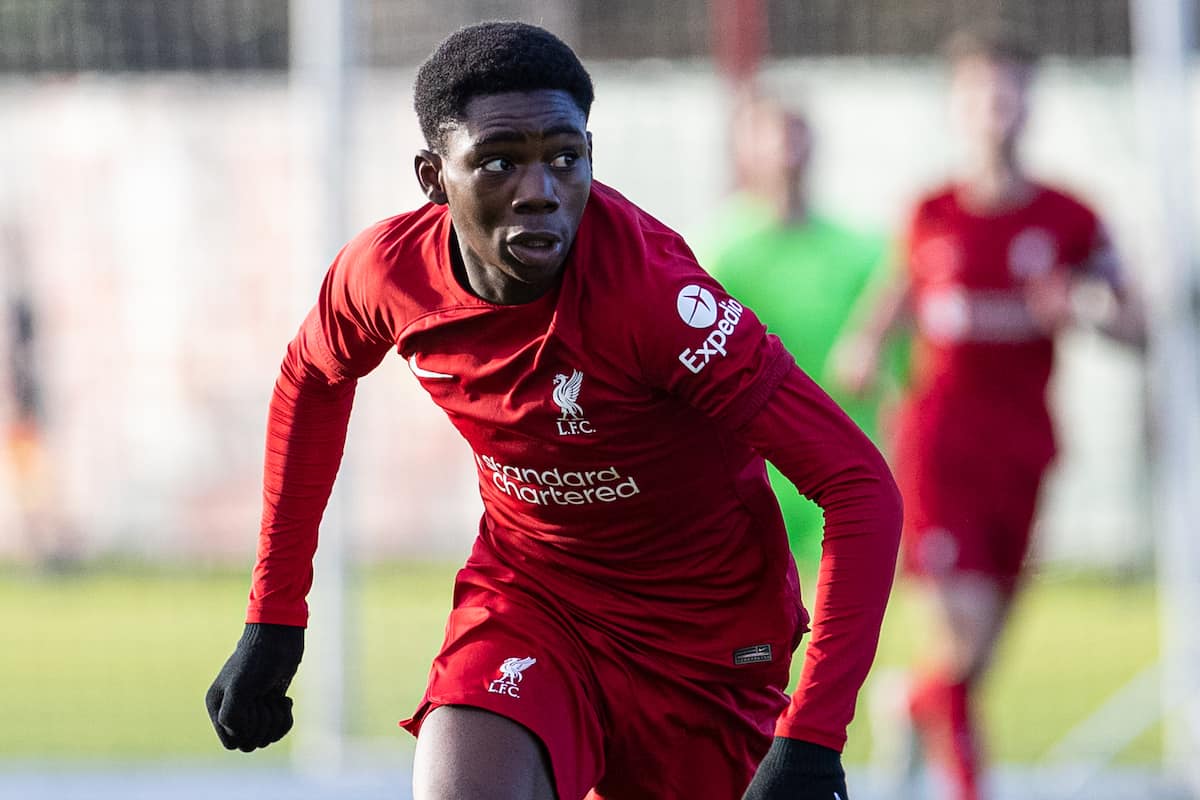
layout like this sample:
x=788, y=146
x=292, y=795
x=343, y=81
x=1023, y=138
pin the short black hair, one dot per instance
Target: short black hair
x=490, y=58
x=996, y=41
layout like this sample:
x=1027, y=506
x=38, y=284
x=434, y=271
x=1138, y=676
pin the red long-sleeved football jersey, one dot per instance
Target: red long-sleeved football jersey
x=619, y=425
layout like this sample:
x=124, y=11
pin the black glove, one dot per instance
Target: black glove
x=246, y=702
x=796, y=770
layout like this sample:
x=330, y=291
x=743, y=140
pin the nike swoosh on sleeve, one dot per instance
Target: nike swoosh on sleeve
x=425, y=373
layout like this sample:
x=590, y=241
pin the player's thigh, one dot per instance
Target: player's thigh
x=1013, y=508
x=466, y=753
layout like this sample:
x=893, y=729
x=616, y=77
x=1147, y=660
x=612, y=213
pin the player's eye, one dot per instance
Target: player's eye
x=564, y=160
x=497, y=164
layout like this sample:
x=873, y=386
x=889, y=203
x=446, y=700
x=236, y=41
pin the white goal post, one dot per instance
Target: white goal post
x=1162, y=33
x=321, y=69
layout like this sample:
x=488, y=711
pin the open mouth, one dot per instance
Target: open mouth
x=536, y=248
x=535, y=239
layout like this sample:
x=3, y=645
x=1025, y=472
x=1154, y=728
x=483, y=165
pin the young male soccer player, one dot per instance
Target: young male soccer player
x=991, y=264
x=624, y=624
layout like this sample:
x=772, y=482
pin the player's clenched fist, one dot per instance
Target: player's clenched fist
x=247, y=702
x=796, y=770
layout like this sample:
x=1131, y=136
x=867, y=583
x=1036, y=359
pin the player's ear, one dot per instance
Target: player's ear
x=591, y=160
x=428, y=166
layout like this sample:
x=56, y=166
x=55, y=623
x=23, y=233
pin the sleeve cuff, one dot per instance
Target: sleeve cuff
x=792, y=730
x=297, y=617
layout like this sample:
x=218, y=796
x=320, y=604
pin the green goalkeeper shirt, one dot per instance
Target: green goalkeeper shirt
x=802, y=280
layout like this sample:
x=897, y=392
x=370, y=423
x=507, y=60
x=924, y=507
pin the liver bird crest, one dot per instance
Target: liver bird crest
x=566, y=393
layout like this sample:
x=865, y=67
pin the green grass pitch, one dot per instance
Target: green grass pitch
x=112, y=663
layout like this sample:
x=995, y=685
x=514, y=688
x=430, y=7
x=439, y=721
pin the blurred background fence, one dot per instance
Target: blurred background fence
x=222, y=35
x=160, y=218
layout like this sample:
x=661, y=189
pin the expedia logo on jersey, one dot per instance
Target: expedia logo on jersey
x=699, y=309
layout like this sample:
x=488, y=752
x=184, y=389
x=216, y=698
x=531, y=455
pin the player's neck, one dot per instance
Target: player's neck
x=791, y=206
x=993, y=183
x=490, y=283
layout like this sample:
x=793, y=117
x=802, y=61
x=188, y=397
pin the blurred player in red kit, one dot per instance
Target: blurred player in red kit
x=994, y=265
x=623, y=627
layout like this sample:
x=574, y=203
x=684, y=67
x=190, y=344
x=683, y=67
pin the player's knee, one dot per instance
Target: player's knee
x=966, y=660
x=971, y=611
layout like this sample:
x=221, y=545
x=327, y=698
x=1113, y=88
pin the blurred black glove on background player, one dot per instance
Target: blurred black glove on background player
x=796, y=770
x=247, y=702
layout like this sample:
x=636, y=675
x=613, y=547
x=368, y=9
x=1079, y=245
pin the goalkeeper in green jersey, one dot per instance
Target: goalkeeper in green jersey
x=801, y=272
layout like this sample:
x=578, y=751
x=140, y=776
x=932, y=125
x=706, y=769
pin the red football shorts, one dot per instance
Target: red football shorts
x=616, y=724
x=972, y=514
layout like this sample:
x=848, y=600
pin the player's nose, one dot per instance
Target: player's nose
x=535, y=192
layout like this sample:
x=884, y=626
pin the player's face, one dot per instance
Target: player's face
x=516, y=173
x=772, y=146
x=990, y=102
x=794, y=147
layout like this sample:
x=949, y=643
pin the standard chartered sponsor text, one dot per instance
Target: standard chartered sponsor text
x=554, y=486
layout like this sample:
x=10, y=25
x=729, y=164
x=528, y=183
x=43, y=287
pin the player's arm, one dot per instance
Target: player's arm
x=1104, y=299
x=725, y=364
x=306, y=431
x=830, y=461
x=880, y=315
x=1091, y=292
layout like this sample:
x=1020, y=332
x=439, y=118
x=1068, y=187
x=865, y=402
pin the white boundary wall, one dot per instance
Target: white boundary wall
x=163, y=217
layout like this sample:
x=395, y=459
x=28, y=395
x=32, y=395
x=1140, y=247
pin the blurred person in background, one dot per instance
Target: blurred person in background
x=43, y=536
x=625, y=622
x=800, y=271
x=996, y=263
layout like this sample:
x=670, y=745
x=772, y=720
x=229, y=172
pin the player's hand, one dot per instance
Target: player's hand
x=796, y=770
x=247, y=702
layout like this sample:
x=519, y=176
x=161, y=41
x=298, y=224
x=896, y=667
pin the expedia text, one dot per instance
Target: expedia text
x=714, y=345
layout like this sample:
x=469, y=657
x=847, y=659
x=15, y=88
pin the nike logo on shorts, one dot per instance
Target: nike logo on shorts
x=425, y=373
